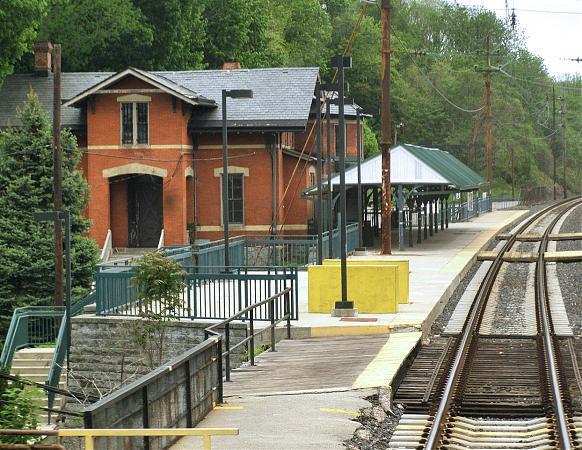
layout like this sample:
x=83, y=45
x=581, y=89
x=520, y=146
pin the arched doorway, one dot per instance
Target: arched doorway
x=145, y=210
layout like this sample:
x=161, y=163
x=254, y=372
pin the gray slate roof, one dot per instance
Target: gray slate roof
x=281, y=96
x=16, y=87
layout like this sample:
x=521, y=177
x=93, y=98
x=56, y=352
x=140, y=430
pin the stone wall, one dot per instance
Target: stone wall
x=105, y=354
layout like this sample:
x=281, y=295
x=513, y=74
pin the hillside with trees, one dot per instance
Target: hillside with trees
x=439, y=53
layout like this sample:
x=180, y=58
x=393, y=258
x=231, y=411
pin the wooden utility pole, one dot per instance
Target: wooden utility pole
x=386, y=133
x=488, y=101
x=58, y=176
x=554, y=142
x=564, y=148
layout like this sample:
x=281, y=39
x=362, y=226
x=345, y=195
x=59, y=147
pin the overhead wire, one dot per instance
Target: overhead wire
x=438, y=91
x=328, y=96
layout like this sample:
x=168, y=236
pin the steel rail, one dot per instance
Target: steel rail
x=551, y=353
x=470, y=329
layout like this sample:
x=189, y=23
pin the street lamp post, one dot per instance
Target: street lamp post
x=232, y=93
x=359, y=162
x=56, y=217
x=319, y=203
x=342, y=307
x=329, y=90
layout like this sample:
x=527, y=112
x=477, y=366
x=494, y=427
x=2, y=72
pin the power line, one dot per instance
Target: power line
x=450, y=102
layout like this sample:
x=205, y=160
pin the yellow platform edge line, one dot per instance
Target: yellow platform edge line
x=382, y=368
x=349, y=412
x=354, y=330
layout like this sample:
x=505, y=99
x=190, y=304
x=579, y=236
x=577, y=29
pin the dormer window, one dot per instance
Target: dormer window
x=134, y=123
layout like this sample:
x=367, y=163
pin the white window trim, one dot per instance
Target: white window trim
x=134, y=104
x=232, y=225
x=313, y=172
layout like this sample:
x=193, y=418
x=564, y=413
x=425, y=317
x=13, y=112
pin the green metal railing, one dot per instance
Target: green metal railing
x=250, y=251
x=214, y=292
x=37, y=325
x=58, y=360
x=31, y=325
x=295, y=250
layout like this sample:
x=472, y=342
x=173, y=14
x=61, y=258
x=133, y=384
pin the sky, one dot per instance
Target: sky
x=555, y=36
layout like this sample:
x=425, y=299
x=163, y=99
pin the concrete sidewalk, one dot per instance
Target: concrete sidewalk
x=436, y=268
x=306, y=395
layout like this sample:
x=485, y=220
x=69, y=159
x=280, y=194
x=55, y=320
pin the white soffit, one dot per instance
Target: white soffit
x=404, y=169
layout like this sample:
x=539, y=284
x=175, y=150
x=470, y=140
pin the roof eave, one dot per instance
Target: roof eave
x=79, y=99
x=247, y=126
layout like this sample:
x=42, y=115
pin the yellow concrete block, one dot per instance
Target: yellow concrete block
x=372, y=288
x=403, y=288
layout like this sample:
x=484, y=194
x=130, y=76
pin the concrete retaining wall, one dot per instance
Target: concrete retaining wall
x=104, y=356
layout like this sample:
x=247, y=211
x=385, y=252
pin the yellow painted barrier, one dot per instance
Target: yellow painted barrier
x=372, y=288
x=403, y=265
x=91, y=434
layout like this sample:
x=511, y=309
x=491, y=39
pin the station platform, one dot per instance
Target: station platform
x=307, y=394
x=437, y=266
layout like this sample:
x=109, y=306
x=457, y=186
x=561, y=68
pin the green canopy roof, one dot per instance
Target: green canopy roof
x=463, y=177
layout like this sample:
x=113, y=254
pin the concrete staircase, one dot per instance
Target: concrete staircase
x=33, y=364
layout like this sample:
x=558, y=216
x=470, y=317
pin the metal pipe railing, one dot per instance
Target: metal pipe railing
x=248, y=314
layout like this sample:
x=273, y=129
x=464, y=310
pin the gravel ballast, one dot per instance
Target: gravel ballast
x=570, y=273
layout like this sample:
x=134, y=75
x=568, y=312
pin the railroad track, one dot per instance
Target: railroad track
x=508, y=391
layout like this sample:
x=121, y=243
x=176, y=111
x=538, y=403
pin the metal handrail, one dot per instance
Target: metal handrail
x=18, y=337
x=19, y=327
x=248, y=314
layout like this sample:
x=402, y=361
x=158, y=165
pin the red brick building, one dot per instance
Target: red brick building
x=153, y=148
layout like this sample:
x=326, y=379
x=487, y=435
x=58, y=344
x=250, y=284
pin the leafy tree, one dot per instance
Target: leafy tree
x=19, y=407
x=306, y=29
x=160, y=287
x=371, y=146
x=26, y=185
x=239, y=30
x=100, y=35
x=20, y=20
x=179, y=33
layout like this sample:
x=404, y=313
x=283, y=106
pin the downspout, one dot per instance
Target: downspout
x=195, y=185
x=274, y=181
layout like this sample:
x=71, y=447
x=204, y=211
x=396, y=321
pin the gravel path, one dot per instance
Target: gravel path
x=570, y=274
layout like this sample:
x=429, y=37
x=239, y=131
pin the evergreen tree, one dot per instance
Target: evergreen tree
x=27, y=264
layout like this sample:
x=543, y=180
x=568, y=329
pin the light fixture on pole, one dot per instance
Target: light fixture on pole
x=399, y=127
x=56, y=217
x=232, y=93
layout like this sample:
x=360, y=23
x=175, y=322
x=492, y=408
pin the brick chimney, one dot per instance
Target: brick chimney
x=231, y=65
x=43, y=59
